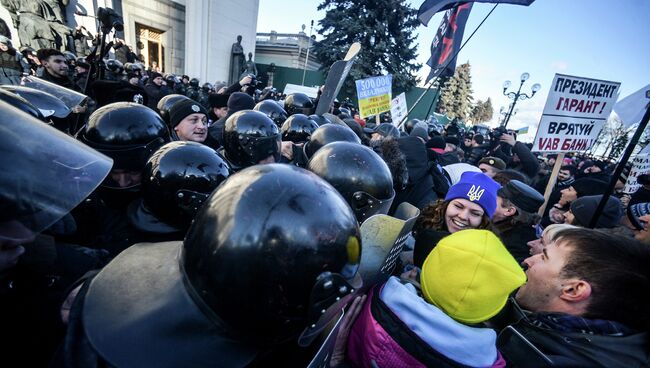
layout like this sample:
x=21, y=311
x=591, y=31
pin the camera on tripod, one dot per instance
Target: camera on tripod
x=110, y=19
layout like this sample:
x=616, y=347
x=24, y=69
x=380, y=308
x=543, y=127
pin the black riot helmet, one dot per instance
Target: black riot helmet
x=70, y=57
x=166, y=103
x=299, y=103
x=114, y=66
x=298, y=128
x=320, y=120
x=359, y=174
x=329, y=133
x=344, y=113
x=194, y=82
x=171, y=79
x=281, y=244
x=410, y=124
x=133, y=68
x=127, y=132
x=21, y=104
x=250, y=136
x=273, y=110
x=82, y=62
x=207, y=87
x=178, y=178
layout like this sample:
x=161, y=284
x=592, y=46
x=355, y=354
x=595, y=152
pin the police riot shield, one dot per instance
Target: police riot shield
x=335, y=79
x=324, y=353
x=45, y=102
x=45, y=174
x=69, y=97
x=383, y=239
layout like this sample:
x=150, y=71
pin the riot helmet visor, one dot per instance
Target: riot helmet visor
x=46, y=174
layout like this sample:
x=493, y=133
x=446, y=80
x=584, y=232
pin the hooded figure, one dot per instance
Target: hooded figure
x=437, y=319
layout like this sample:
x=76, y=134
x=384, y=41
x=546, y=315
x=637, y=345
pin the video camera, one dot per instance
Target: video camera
x=254, y=82
x=496, y=133
x=253, y=86
x=110, y=19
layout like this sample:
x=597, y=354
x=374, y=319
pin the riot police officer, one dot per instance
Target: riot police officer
x=177, y=179
x=299, y=103
x=251, y=138
x=359, y=174
x=273, y=110
x=270, y=259
x=45, y=174
x=129, y=133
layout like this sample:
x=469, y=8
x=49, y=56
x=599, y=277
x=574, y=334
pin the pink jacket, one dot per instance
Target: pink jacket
x=397, y=328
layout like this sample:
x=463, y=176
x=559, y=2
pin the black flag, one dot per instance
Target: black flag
x=447, y=41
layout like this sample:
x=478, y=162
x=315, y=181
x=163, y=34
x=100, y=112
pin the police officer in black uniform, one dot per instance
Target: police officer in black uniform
x=250, y=138
x=270, y=260
x=177, y=179
x=129, y=133
x=45, y=174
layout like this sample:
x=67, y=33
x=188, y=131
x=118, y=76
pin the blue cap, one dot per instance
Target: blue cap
x=478, y=188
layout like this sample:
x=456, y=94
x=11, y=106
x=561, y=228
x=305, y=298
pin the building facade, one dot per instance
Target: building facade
x=192, y=37
x=289, y=50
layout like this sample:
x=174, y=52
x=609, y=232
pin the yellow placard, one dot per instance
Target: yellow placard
x=374, y=105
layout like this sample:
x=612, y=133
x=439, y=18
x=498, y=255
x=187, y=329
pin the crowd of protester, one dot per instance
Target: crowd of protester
x=226, y=232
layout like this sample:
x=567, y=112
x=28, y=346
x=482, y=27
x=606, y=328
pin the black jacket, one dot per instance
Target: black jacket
x=419, y=190
x=527, y=164
x=572, y=349
x=515, y=238
x=63, y=82
x=476, y=154
x=155, y=93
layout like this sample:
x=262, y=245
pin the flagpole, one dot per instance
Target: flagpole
x=443, y=68
x=621, y=165
x=432, y=102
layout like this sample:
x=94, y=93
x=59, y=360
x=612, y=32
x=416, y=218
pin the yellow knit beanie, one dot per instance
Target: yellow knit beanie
x=469, y=275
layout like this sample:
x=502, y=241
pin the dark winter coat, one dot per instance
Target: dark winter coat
x=528, y=163
x=419, y=190
x=448, y=158
x=515, y=237
x=640, y=196
x=476, y=154
x=573, y=349
x=63, y=82
x=155, y=93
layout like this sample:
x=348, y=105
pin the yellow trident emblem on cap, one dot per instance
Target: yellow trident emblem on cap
x=474, y=193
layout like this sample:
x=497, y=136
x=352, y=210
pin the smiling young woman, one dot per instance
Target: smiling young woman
x=470, y=204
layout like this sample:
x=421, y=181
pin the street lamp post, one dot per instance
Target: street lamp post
x=304, y=70
x=515, y=96
x=504, y=113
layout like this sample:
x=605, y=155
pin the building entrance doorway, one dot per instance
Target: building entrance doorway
x=149, y=43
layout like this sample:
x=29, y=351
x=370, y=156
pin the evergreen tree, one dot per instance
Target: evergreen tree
x=482, y=111
x=619, y=138
x=456, y=94
x=385, y=30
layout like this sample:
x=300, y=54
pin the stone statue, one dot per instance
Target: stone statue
x=249, y=67
x=237, y=60
x=39, y=23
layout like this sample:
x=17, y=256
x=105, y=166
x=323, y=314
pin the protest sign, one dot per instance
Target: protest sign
x=398, y=108
x=640, y=166
x=575, y=112
x=374, y=95
x=294, y=88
